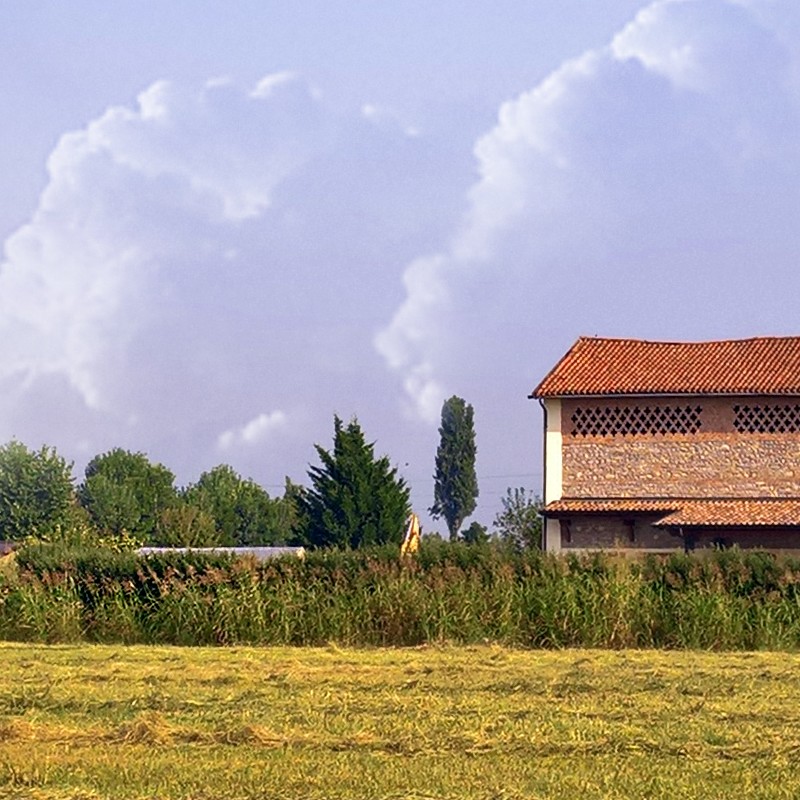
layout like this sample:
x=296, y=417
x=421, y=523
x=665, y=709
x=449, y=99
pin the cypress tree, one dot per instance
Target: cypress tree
x=355, y=499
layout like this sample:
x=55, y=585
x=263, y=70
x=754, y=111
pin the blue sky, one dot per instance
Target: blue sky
x=222, y=223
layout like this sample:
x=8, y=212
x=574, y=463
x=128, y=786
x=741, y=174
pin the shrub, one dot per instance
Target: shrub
x=451, y=592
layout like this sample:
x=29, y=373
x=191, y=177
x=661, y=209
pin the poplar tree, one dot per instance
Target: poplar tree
x=455, y=481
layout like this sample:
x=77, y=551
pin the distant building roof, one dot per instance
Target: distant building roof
x=259, y=553
x=595, y=366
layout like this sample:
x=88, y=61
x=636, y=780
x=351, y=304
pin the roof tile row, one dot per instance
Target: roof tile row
x=598, y=366
x=746, y=512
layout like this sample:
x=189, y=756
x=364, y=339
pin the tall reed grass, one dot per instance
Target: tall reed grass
x=450, y=593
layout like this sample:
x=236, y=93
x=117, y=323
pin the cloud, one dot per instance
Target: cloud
x=74, y=282
x=385, y=116
x=416, y=326
x=643, y=188
x=270, y=83
x=204, y=253
x=666, y=47
x=254, y=432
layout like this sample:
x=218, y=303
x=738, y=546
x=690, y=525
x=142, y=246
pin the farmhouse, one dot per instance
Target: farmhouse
x=668, y=445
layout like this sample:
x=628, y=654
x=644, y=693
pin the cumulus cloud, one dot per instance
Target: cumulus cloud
x=415, y=327
x=644, y=188
x=202, y=254
x=256, y=431
x=74, y=280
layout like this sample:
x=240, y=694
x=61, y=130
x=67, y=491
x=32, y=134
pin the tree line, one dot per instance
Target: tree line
x=354, y=498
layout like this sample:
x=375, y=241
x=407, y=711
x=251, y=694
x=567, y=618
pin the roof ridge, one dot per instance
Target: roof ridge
x=768, y=365
x=681, y=499
x=633, y=339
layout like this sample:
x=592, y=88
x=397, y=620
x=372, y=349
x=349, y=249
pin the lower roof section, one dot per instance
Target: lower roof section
x=688, y=512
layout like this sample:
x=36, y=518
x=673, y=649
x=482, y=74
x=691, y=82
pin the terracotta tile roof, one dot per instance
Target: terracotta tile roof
x=594, y=366
x=728, y=512
x=719, y=513
x=610, y=506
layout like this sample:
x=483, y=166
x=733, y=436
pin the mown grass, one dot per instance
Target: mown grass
x=93, y=721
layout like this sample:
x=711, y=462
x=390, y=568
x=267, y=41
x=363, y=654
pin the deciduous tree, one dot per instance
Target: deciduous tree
x=243, y=511
x=475, y=534
x=186, y=525
x=520, y=521
x=126, y=492
x=36, y=492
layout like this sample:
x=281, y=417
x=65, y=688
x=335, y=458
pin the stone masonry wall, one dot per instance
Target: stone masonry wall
x=614, y=532
x=746, y=539
x=716, y=461
x=593, y=533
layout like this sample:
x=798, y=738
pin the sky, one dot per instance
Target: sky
x=223, y=223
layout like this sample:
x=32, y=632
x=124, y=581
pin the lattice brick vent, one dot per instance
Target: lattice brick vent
x=635, y=420
x=767, y=419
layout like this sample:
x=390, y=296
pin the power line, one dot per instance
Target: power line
x=485, y=477
x=429, y=479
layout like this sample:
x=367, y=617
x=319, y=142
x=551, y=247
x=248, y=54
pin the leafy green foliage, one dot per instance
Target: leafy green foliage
x=520, y=521
x=242, y=511
x=186, y=525
x=124, y=492
x=355, y=499
x=455, y=480
x=475, y=534
x=102, y=568
x=454, y=592
x=36, y=492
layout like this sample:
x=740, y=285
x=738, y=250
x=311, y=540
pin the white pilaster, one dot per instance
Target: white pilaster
x=553, y=470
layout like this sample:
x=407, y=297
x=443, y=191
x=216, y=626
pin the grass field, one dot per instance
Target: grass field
x=469, y=722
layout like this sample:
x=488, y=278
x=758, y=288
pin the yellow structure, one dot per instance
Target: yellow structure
x=411, y=539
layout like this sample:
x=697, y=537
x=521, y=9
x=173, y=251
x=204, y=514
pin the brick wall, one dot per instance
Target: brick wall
x=592, y=533
x=716, y=461
x=766, y=538
x=596, y=532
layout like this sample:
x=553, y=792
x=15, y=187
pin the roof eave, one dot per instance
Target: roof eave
x=695, y=393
